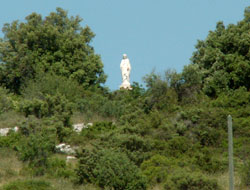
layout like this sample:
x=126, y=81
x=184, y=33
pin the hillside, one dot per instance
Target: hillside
x=171, y=135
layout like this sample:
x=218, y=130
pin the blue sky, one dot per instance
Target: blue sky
x=159, y=34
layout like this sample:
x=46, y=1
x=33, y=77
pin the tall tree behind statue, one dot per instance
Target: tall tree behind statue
x=56, y=44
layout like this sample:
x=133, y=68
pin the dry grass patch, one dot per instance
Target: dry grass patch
x=223, y=181
x=10, y=119
x=10, y=166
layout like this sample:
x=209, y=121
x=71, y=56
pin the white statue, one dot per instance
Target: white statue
x=125, y=69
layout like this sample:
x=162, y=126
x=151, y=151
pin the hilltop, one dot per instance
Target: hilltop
x=171, y=135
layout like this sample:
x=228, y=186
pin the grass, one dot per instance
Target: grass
x=13, y=173
x=85, y=118
x=10, y=166
x=62, y=184
x=10, y=119
x=43, y=183
x=223, y=181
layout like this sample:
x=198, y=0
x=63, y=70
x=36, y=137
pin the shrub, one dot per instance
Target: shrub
x=178, y=146
x=56, y=105
x=51, y=84
x=206, y=161
x=235, y=98
x=137, y=148
x=95, y=103
x=184, y=180
x=28, y=185
x=109, y=169
x=58, y=168
x=98, y=128
x=10, y=141
x=157, y=168
x=5, y=100
x=36, y=149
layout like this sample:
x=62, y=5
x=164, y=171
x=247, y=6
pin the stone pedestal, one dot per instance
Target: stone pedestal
x=126, y=85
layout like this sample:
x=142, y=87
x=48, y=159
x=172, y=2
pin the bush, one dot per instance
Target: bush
x=206, y=161
x=58, y=168
x=95, y=103
x=10, y=141
x=235, y=98
x=109, y=169
x=97, y=128
x=184, y=180
x=157, y=168
x=178, y=146
x=5, y=100
x=137, y=148
x=56, y=105
x=28, y=185
x=36, y=149
x=51, y=84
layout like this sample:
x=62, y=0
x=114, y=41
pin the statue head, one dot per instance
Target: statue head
x=124, y=56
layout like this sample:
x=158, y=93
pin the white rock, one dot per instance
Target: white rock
x=60, y=146
x=65, y=148
x=4, y=131
x=70, y=158
x=89, y=125
x=80, y=126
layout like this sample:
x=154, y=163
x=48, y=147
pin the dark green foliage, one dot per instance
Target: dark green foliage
x=133, y=143
x=137, y=148
x=52, y=84
x=6, y=103
x=223, y=58
x=160, y=95
x=158, y=168
x=96, y=103
x=185, y=180
x=57, y=106
x=10, y=141
x=206, y=124
x=36, y=149
x=233, y=99
x=28, y=185
x=178, y=146
x=189, y=83
x=55, y=110
x=58, y=168
x=207, y=161
x=56, y=44
x=110, y=169
x=98, y=128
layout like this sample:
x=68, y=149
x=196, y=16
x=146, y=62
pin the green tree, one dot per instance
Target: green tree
x=109, y=169
x=36, y=149
x=55, y=44
x=160, y=94
x=224, y=57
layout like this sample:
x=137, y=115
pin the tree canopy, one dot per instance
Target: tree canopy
x=224, y=57
x=55, y=44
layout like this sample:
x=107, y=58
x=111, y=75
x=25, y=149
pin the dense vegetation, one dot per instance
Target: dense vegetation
x=171, y=135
